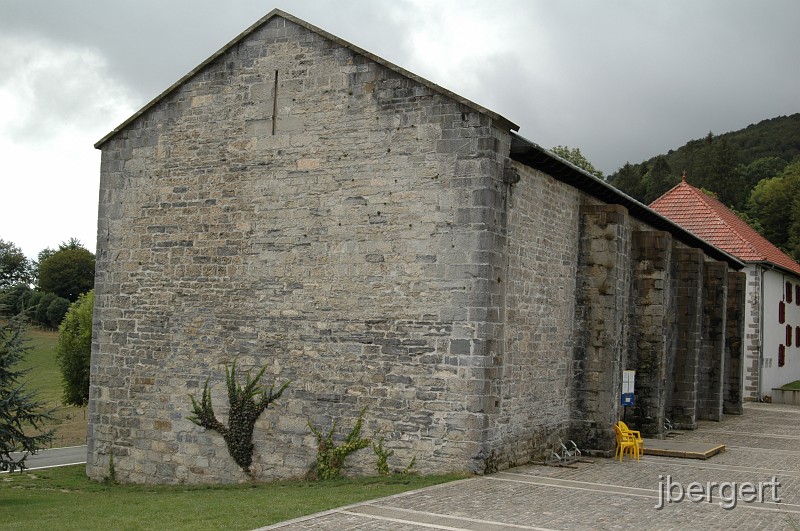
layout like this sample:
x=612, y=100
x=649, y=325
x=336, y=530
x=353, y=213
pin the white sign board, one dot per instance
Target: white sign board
x=627, y=381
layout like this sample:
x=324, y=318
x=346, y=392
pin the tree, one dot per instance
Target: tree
x=773, y=203
x=19, y=409
x=658, y=179
x=30, y=302
x=75, y=348
x=575, y=156
x=56, y=311
x=14, y=266
x=68, y=272
x=760, y=169
x=72, y=243
x=43, y=255
x=40, y=313
x=793, y=245
x=629, y=180
x=14, y=298
x=719, y=171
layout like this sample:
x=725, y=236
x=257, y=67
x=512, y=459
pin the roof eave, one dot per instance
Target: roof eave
x=772, y=265
x=502, y=122
x=535, y=156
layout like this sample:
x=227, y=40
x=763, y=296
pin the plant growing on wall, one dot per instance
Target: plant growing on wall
x=383, y=455
x=382, y=462
x=330, y=458
x=247, y=402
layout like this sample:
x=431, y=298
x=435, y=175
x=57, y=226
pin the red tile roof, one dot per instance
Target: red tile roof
x=710, y=220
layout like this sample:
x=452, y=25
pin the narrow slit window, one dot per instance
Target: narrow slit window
x=781, y=312
x=788, y=335
x=781, y=356
x=274, y=102
x=797, y=294
x=789, y=292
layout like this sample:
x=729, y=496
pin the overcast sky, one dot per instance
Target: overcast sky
x=621, y=80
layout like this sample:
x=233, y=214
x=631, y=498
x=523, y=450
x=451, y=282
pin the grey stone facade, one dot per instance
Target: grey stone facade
x=298, y=203
x=601, y=323
x=652, y=324
x=734, y=343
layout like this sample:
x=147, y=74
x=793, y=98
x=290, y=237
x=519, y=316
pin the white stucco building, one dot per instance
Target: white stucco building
x=772, y=313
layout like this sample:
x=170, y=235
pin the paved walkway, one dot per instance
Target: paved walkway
x=761, y=445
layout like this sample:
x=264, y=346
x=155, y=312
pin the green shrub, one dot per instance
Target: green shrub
x=74, y=350
x=56, y=311
x=40, y=313
x=13, y=298
x=383, y=456
x=331, y=458
x=30, y=302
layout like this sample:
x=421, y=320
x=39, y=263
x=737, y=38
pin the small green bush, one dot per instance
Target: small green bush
x=56, y=311
x=383, y=455
x=40, y=313
x=331, y=458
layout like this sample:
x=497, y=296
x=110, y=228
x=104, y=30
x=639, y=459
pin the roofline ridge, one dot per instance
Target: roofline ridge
x=338, y=40
x=702, y=202
x=716, y=208
x=668, y=192
x=710, y=202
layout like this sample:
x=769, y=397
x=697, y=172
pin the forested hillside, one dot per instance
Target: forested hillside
x=755, y=171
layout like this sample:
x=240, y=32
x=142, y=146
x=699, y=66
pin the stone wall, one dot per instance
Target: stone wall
x=752, y=333
x=601, y=316
x=734, y=343
x=712, y=370
x=534, y=373
x=682, y=400
x=652, y=319
x=297, y=205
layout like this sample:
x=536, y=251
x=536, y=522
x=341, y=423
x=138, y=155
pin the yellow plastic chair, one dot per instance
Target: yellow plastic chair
x=625, y=443
x=633, y=433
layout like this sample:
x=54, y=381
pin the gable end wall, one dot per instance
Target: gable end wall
x=366, y=238
x=352, y=252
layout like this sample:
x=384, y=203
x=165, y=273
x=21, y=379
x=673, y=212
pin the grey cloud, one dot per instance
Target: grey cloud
x=621, y=80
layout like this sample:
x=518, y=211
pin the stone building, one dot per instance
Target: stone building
x=772, y=311
x=297, y=202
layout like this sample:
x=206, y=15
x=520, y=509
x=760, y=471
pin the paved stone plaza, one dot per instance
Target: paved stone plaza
x=606, y=494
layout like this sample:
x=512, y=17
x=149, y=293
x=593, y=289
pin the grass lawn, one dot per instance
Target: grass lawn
x=45, y=379
x=63, y=498
x=792, y=386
